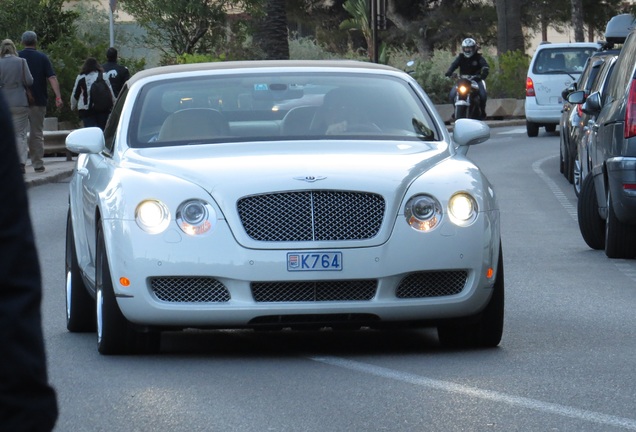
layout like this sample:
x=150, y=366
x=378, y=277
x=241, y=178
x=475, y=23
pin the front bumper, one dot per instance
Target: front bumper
x=140, y=258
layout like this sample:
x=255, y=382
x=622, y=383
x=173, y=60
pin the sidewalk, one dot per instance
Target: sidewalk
x=58, y=168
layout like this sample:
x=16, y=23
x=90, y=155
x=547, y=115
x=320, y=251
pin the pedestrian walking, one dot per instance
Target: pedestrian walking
x=42, y=71
x=92, y=95
x=27, y=401
x=15, y=80
x=116, y=73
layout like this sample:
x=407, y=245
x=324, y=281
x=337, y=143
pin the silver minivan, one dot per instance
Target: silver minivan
x=554, y=67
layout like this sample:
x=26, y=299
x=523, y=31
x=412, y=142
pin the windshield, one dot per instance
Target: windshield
x=278, y=106
x=569, y=60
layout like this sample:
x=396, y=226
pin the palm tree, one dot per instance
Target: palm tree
x=274, y=37
x=359, y=11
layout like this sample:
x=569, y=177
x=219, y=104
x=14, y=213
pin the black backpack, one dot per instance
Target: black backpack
x=100, y=96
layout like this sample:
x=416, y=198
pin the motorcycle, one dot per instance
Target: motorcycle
x=467, y=101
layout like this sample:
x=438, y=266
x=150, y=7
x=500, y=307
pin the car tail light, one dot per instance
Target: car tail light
x=579, y=110
x=529, y=87
x=630, y=112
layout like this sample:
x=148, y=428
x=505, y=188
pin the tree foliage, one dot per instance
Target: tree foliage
x=178, y=27
x=47, y=18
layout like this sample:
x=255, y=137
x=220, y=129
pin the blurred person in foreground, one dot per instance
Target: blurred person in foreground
x=27, y=402
x=15, y=80
x=42, y=71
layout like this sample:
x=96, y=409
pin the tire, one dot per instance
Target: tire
x=576, y=176
x=570, y=166
x=561, y=158
x=591, y=224
x=532, y=129
x=550, y=128
x=461, y=112
x=620, y=238
x=488, y=330
x=80, y=306
x=115, y=335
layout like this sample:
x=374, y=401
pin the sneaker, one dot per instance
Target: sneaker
x=41, y=169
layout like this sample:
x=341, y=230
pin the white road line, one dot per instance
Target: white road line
x=447, y=386
x=626, y=267
x=556, y=190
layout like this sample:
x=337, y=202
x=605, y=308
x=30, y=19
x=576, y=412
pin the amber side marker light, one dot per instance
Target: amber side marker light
x=124, y=281
x=489, y=273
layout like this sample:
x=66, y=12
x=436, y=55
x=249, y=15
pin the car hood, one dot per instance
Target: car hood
x=230, y=171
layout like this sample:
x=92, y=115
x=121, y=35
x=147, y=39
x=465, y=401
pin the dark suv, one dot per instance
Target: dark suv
x=607, y=202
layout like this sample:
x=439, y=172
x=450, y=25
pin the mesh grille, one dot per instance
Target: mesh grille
x=314, y=291
x=189, y=290
x=312, y=216
x=432, y=284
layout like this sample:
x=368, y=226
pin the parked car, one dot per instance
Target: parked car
x=586, y=120
x=554, y=67
x=607, y=204
x=206, y=204
x=571, y=126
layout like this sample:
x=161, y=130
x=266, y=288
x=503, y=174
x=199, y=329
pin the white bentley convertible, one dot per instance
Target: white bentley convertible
x=280, y=194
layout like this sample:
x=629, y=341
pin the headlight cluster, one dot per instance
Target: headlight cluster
x=424, y=212
x=194, y=217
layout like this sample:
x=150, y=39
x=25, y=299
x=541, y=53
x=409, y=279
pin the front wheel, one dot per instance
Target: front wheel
x=576, y=176
x=461, y=112
x=532, y=129
x=591, y=224
x=115, y=335
x=80, y=311
x=488, y=330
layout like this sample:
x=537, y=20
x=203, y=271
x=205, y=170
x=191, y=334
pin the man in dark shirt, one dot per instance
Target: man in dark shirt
x=27, y=401
x=42, y=71
x=116, y=73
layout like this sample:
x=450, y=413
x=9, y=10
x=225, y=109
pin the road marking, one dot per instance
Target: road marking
x=556, y=190
x=513, y=131
x=626, y=267
x=447, y=386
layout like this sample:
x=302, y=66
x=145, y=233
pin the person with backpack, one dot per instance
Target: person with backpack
x=92, y=95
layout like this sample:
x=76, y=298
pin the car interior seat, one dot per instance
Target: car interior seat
x=297, y=120
x=194, y=123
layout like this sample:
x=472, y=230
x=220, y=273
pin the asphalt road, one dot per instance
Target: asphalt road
x=566, y=362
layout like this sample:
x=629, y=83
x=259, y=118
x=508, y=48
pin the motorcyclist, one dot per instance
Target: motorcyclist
x=470, y=62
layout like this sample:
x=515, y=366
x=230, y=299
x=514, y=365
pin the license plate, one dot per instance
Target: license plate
x=314, y=261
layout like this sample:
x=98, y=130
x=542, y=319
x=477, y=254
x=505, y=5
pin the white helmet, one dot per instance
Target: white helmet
x=469, y=47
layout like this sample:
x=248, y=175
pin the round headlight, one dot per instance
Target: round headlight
x=152, y=216
x=196, y=217
x=462, y=208
x=423, y=212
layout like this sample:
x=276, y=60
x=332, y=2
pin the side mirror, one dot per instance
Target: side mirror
x=569, y=89
x=467, y=132
x=577, y=97
x=592, y=104
x=86, y=140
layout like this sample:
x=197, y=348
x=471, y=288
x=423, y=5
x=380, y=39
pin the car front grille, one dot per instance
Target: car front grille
x=312, y=216
x=189, y=290
x=343, y=290
x=432, y=284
